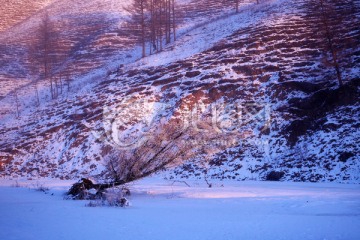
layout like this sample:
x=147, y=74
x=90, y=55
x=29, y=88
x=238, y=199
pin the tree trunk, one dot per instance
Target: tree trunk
x=174, y=19
x=37, y=94
x=330, y=43
x=143, y=30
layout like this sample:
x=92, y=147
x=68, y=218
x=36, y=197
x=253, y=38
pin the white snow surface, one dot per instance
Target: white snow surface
x=165, y=210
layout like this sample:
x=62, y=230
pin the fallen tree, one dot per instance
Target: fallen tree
x=166, y=145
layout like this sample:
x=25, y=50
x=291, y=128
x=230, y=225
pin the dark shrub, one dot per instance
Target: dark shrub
x=274, y=176
x=344, y=156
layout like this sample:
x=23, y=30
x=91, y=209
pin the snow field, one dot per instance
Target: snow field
x=163, y=210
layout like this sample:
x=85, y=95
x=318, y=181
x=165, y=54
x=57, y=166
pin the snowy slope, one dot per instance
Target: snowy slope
x=262, y=55
x=207, y=35
x=14, y=12
x=93, y=36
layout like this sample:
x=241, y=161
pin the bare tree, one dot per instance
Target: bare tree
x=328, y=21
x=68, y=81
x=166, y=145
x=46, y=56
x=154, y=21
x=237, y=3
x=33, y=70
x=164, y=20
x=326, y=10
x=17, y=103
x=43, y=53
x=138, y=10
x=46, y=42
x=174, y=19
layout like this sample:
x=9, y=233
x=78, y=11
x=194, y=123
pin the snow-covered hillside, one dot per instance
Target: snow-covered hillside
x=89, y=34
x=14, y=12
x=93, y=35
x=266, y=58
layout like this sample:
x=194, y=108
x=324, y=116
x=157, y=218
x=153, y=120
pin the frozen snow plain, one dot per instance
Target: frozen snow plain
x=169, y=211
